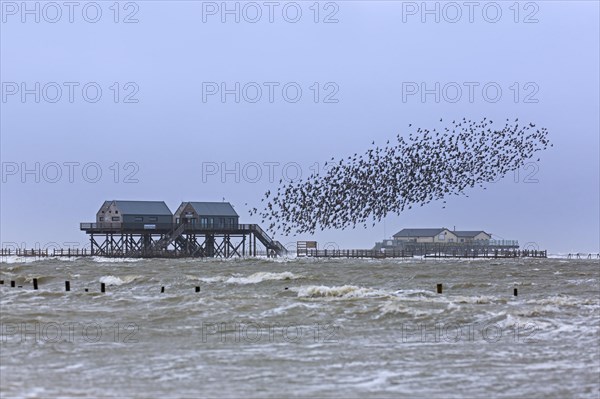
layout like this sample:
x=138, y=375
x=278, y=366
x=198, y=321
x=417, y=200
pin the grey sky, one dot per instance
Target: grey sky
x=179, y=132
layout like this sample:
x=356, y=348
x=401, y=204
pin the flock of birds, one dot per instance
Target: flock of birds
x=429, y=165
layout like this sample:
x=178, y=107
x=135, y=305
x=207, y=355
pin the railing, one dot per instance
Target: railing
x=355, y=253
x=101, y=225
x=125, y=226
x=166, y=226
x=256, y=228
x=281, y=250
x=511, y=243
x=38, y=252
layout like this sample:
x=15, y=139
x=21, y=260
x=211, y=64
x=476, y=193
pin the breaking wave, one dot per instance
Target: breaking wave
x=255, y=278
x=113, y=280
x=344, y=291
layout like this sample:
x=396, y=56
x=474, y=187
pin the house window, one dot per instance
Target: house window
x=153, y=219
x=117, y=212
x=138, y=219
x=203, y=222
x=115, y=218
x=177, y=220
x=102, y=218
x=442, y=237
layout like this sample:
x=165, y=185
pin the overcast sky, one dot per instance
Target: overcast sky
x=177, y=101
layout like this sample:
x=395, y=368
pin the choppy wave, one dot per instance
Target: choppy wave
x=101, y=259
x=476, y=299
x=12, y=259
x=329, y=304
x=564, y=300
x=113, y=280
x=254, y=278
x=344, y=291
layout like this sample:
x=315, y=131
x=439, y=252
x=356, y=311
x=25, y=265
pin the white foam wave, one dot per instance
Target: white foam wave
x=216, y=279
x=113, y=280
x=395, y=307
x=476, y=300
x=23, y=259
x=262, y=276
x=101, y=259
x=344, y=291
x=251, y=279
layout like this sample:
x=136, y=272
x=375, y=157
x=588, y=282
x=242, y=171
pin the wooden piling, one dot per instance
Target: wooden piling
x=1, y=281
x=102, y=287
x=197, y=289
x=439, y=288
x=67, y=286
x=515, y=292
x=35, y=284
x=162, y=290
x=12, y=283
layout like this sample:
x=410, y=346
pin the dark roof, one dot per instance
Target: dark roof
x=143, y=208
x=105, y=205
x=214, y=208
x=419, y=232
x=466, y=233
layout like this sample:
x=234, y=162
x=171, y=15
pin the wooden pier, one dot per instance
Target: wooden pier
x=45, y=253
x=354, y=253
x=377, y=254
x=76, y=253
x=516, y=253
x=178, y=240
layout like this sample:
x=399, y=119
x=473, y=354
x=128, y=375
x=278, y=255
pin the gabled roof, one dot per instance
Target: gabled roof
x=467, y=233
x=104, y=206
x=213, y=208
x=143, y=208
x=419, y=232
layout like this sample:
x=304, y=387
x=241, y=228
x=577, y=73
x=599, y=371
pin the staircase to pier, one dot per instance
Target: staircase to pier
x=269, y=243
x=160, y=245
